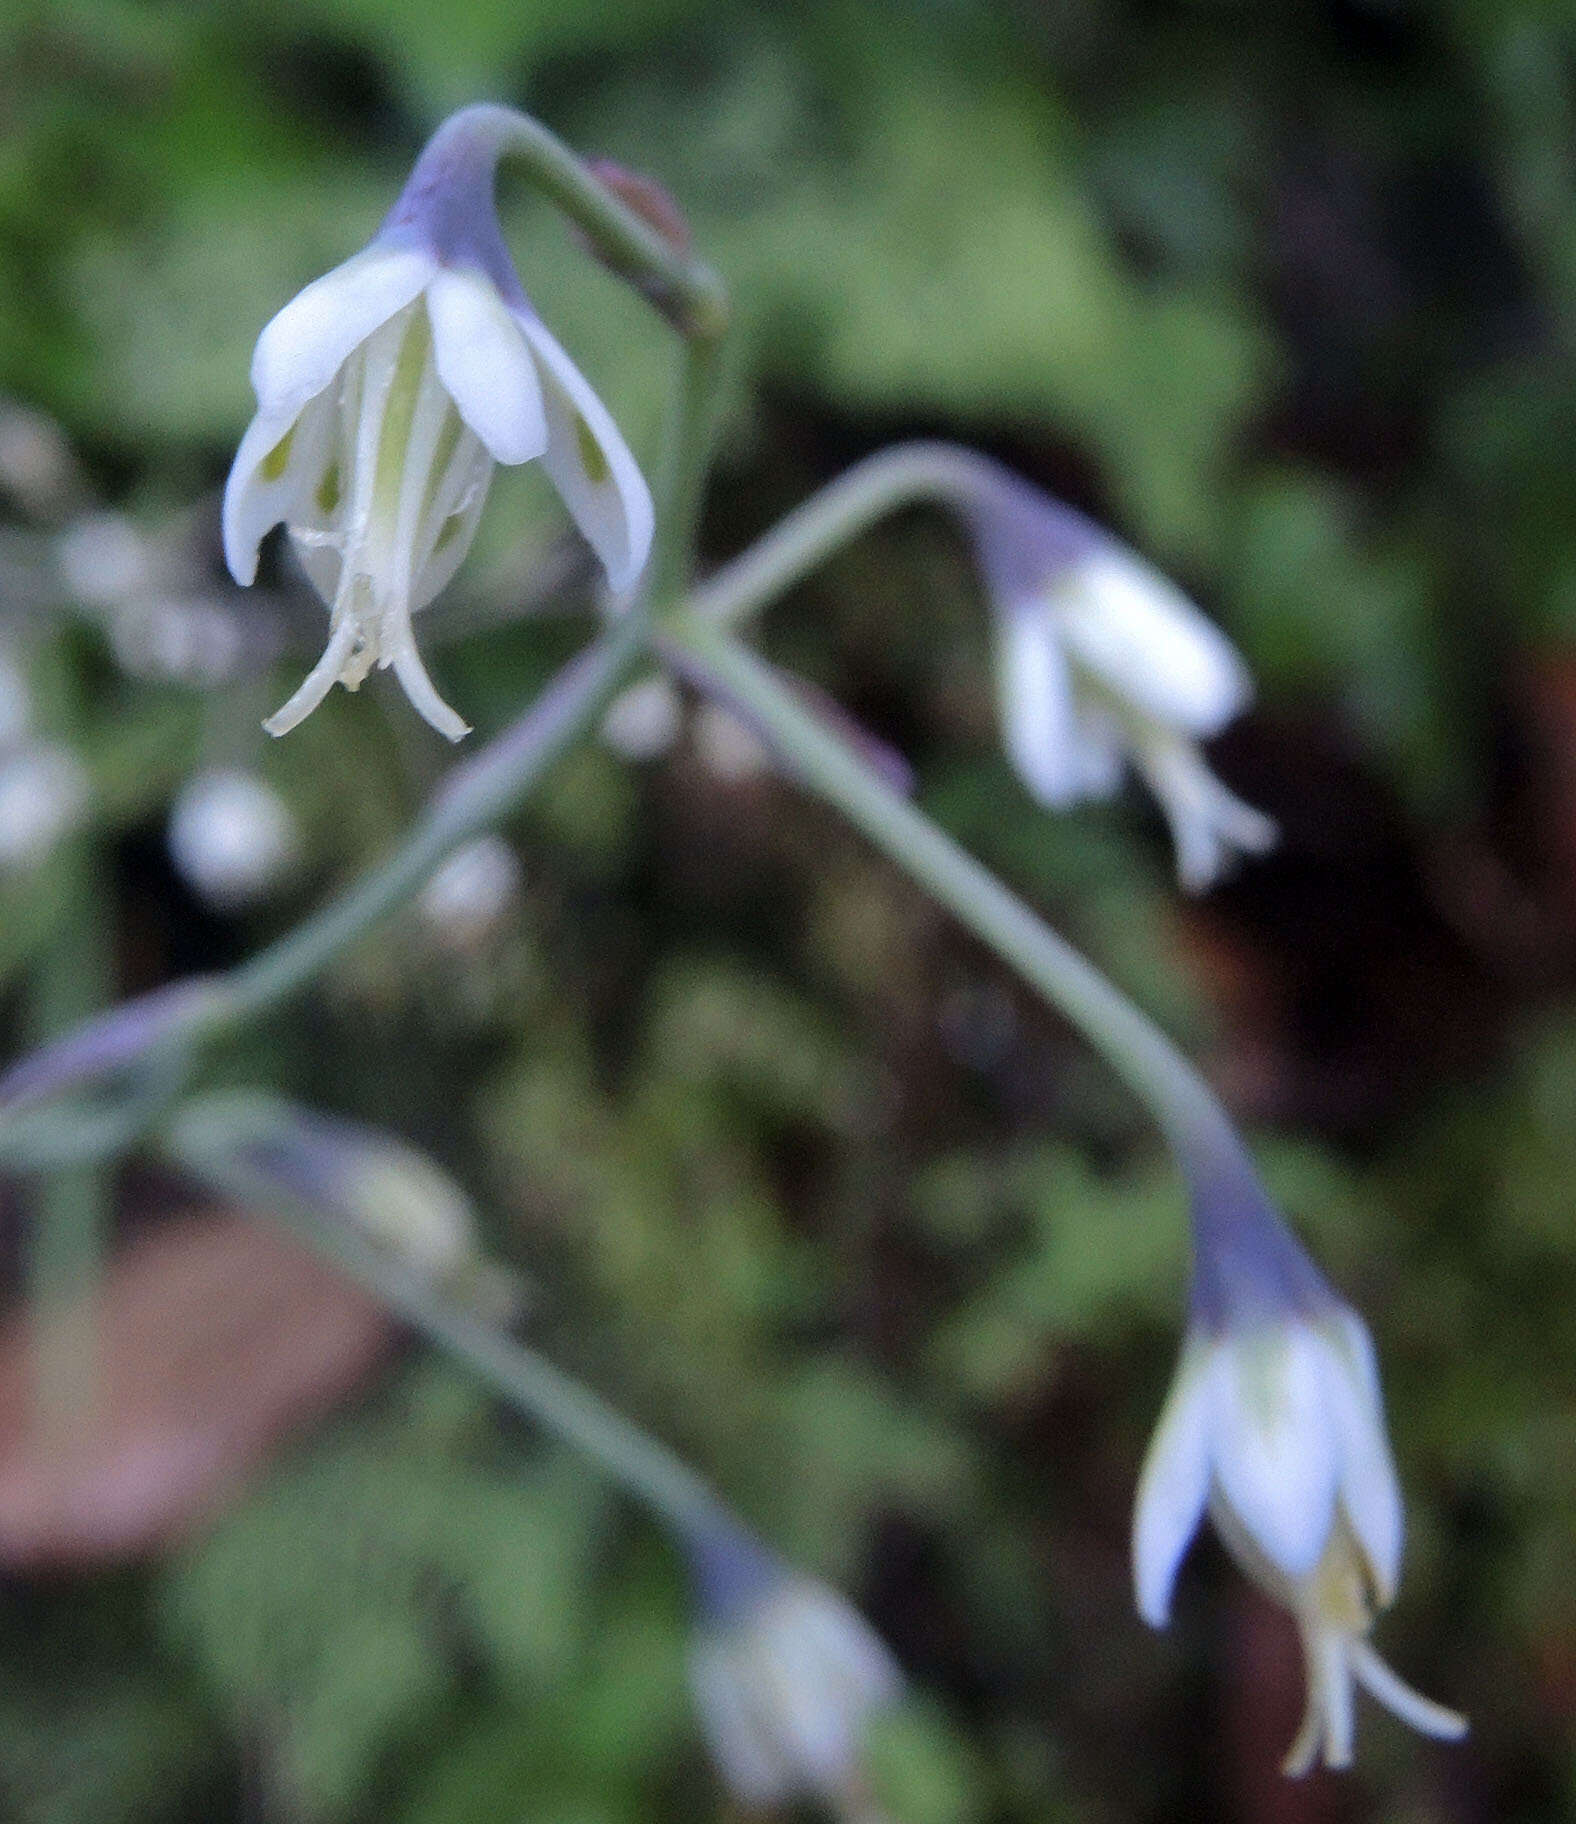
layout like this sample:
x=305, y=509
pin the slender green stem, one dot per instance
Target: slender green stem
x=844, y=508
x=521, y=1377
x=474, y=797
x=683, y=287
x=150, y=1047
x=71, y=1206
x=683, y=480
x=1184, y=1105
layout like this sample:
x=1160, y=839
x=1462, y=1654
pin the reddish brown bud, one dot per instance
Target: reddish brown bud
x=651, y=201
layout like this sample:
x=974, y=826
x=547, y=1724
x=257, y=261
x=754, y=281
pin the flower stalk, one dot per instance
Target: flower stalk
x=518, y=1375
x=1186, y=1108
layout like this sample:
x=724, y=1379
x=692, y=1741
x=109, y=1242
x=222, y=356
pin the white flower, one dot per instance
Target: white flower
x=43, y=793
x=1277, y=1428
x=386, y=391
x=1100, y=662
x=642, y=722
x=231, y=837
x=786, y=1675
x=1105, y=662
x=470, y=892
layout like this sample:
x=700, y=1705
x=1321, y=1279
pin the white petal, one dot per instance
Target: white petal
x=749, y=1757
x=1370, y=1492
x=1172, y=1487
x=1036, y=697
x=590, y=463
x=1147, y=644
x=271, y=480
x=1099, y=749
x=1276, y=1458
x=485, y=366
x=302, y=349
x=1209, y=824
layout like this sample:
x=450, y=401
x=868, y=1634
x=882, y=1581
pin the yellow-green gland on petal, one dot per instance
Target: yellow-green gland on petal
x=1276, y=1429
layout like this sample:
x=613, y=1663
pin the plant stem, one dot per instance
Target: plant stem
x=1186, y=1108
x=684, y=288
x=522, y=1378
x=683, y=480
x=71, y=1207
x=474, y=797
x=856, y=500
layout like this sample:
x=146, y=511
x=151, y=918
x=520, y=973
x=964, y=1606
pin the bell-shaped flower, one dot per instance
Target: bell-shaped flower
x=1102, y=662
x=1275, y=1427
x=386, y=392
x=786, y=1675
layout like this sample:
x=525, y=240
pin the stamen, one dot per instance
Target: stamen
x=1395, y=1694
x=319, y=681
x=410, y=671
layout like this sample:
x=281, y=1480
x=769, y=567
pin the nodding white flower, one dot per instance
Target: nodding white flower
x=785, y=1675
x=1275, y=1426
x=386, y=392
x=1100, y=662
x=232, y=837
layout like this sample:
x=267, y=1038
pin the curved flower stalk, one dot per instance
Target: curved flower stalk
x=1101, y=661
x=1275, y=1426
x=785, y=1675
x=386, y=392
x=393, y=1194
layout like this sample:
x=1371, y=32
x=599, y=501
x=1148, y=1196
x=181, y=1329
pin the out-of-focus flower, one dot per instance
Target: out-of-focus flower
x=1101, y=661
x=37, y=468
x=105, y=560
x=232, y=838
x=786, y=1676
x=643, y=721
x=16, y=700
x=1275, y=1426
x=470, y=892
x=162, y=620
x=386, y=392
x=43, y=793
x=728, y=746
x=396, y=1196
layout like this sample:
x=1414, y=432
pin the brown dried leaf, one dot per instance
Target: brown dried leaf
x=216, y=1338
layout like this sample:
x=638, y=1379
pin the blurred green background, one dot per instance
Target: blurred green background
x=803, y=1180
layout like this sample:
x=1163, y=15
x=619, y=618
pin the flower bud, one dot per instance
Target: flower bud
x=785, y=1675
